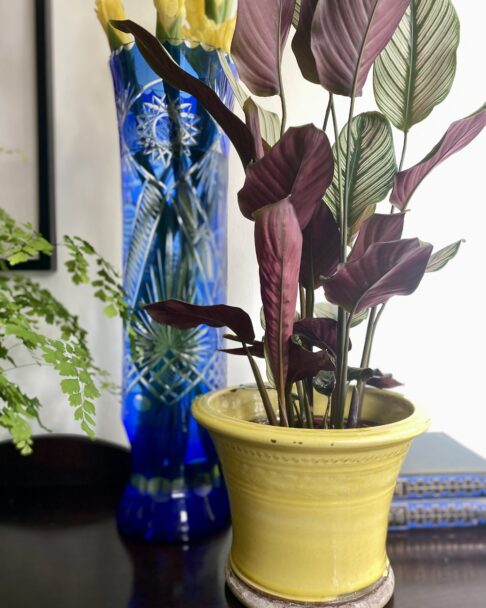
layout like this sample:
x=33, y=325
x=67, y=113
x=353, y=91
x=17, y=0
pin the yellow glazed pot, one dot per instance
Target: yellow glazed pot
x=309, y=507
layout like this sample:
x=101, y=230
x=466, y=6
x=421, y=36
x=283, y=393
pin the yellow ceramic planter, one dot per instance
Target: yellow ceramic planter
x=310, y=507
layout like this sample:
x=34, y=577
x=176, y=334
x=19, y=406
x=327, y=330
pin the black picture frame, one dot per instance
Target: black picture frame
x=45, y=137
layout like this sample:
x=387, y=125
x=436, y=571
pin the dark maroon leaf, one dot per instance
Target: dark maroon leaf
x=320, y=248
x=256, y=350
x=457, y=137
x=183, y=316
x=163, y=65
x=301, y=43
x=378, y=228
x=278, y=243
x=384, y=381
x=306, y=364
x=348, y=35
x=300, y=166
x=257, y=48
x=385, y=270
x=318, y=332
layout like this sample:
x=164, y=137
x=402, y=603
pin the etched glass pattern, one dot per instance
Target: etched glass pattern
x=174, y=162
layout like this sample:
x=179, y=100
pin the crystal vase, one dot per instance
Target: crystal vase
x=174, y=162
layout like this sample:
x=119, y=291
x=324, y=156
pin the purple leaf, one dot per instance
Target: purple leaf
x=318, y=332
x=183, y=316
x=377, y=229
x=256, y=47
x=278, y=243
x=380, y=380
x=300, y=166
x=348, y=35
x=305, y=364
x=457, y=136
x=385, y=270
x=320, y=248
x=255, y=349
x=301, y=43
x=163, y=65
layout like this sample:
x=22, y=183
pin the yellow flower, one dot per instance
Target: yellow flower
x=106, y=11
x=210, y=22
x=171, y=15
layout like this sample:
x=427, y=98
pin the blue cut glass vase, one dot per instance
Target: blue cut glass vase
x=174, y=185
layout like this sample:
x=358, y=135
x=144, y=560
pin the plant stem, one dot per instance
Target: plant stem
x=402, y=160
x=309, y=303
x=339, y=399
x=302, y=298
x=365, y=360
x=305, y=406
x=353, y=418
x=330, y=106
x=280, y=79
x=272, y=419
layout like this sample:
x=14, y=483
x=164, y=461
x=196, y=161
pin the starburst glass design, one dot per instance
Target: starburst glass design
x=174, y=182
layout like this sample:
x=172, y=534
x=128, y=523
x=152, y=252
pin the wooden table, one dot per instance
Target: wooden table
x=59, y=548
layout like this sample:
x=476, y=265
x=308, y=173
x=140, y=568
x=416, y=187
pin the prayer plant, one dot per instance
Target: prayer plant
x=314, y=205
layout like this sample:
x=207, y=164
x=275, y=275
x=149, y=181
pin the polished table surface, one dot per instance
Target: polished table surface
x=59, y=548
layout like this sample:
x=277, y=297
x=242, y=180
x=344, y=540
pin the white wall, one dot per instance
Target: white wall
x=432, y=340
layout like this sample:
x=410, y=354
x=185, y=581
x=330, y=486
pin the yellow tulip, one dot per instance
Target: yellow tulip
x=171, y=15
x=106, y=11
x=210, y=22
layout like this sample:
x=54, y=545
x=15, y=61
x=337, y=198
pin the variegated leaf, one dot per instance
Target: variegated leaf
x=296, y=15
x=416, y=70
x=327, y=310
x=372, y=166
x=442, y=257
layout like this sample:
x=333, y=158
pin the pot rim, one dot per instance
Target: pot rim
x=207, y=411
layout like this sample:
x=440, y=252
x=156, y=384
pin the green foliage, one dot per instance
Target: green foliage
x=36, y=327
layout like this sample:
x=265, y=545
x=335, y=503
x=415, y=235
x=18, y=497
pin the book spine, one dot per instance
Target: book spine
x=421, y=514
x=441, y=486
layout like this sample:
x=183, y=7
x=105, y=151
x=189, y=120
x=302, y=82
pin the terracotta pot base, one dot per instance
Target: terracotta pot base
x=375, y=596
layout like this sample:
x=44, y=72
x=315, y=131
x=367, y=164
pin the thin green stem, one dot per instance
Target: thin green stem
x=330, y=105
x=337, y=411
x=302, y=299
x=353, y=418
x=272, y=419
x=365, y=360
x=402, y=159
x=309, y=303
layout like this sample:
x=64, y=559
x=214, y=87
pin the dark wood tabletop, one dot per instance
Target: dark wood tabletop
x=60, y=548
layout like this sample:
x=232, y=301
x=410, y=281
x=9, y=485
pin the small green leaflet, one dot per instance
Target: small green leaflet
x=442, y=257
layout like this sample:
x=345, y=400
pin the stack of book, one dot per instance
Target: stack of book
x=442, y=484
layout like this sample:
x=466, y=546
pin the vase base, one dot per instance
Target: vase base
x=374, y=596
x=188, y=517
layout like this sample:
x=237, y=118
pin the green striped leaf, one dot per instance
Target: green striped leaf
x=416, y=70
x=269, y=121
x=296, y=15
x=442, y=257
x=372, y=167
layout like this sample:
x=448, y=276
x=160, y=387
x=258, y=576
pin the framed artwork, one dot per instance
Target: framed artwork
x=26, y=133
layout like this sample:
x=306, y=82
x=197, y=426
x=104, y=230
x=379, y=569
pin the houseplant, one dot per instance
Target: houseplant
x=37, y=330
x=174, y=166
x=311, y=462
